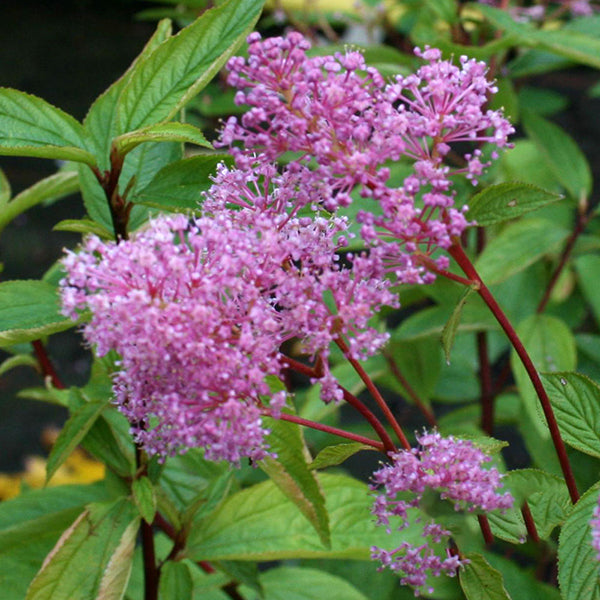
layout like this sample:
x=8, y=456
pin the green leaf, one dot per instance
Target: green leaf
x=144, y=497
x=29, y=310
x=110, y=442
x=577, y=564
x=30, y=525
x=92, y=559
x=243, y=572
x=84, y=226
x=30, y=126
x=451, y=327
x=72, y=433
x=175, y=582
x=506, y=254
x=292, y=475
x=179, y=185
x=588, y=274
x=336, y=455
x=5, y=189
x=548, y=499
x=576, y=402
x=140, y=166
x=562, y=155
x=19, y=360
x=163, y=82
x=301, y=583
x=164, y=132
x=261, y=523
x=551, y=347
x=570, y=44
x=505, y=201
x=100, y=121
x=431, y=321
x=54, y=187
x=480, y=581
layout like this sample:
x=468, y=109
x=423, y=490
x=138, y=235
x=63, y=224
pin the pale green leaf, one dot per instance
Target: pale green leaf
x=507, y=254
x=176, y=582
x=292, y=475
x=163, y=132
x=506, y=201
x=30, y=525
x=179, y=185
x=144, y=497
x=71, y=435
x=163, y=82
x=30, y=126
x=301, y=583
x=480, y=581
x=29, y=310
x=56, y=186
x=261, y=523
x=562, y=155
x=336, y=455
x=577, y=564
x=576, y=402
x=79, y=565
x=451, y=327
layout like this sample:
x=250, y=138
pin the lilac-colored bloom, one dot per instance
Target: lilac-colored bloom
x=345, y=123
x=197, y=311
x=449, y=466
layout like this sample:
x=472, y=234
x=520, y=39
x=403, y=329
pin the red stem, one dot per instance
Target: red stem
x=530, y=523
x=582, y=221
x=486, y=530
x=333, y=430
x=352, y=400
x=375, y=394
x=46, y=364
x=465, y=264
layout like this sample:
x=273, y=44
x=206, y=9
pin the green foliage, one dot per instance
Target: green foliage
x=577, y=569
x=142, y=151
x=29, y=310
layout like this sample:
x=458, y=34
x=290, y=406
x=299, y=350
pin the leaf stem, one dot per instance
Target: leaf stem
x=465, y=264
x=333, y=430
x=352, y=400
x=46, y=364
x=375, y=393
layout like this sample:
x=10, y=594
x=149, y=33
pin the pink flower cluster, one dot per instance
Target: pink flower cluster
x=198, y=309
x=453, y=468
x=343, y=124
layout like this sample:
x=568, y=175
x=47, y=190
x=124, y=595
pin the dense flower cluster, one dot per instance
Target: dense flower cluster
x=453, y=468
x=344, y=124
x=198, y=310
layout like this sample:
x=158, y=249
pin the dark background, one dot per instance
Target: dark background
x=67, y=52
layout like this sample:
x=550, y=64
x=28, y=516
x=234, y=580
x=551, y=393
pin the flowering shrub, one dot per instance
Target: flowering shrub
x=361, y=205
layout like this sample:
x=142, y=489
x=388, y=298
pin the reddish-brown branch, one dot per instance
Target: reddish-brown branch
x=580, y=225
x=530, y=523
x=465, y=264
x=334, y=431
x=486, y=530
x=375, y=394
x=46, y=364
